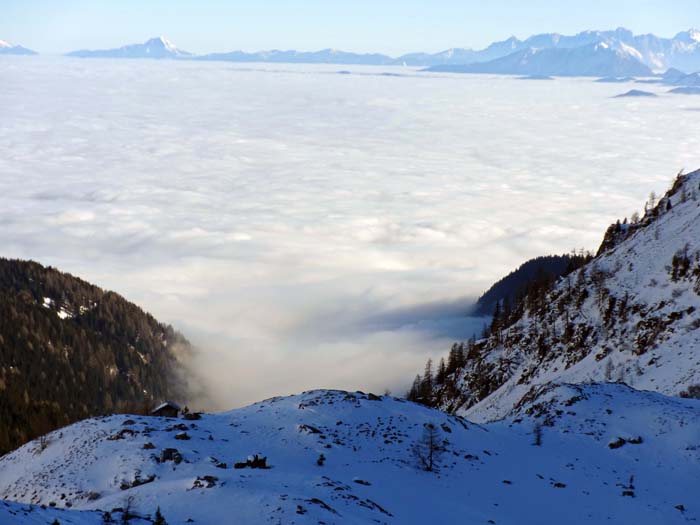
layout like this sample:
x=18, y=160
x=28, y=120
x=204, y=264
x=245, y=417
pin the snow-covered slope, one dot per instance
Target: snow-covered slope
x=631, y=314
x=12, y=513
x=487, y=474
x=159, y=47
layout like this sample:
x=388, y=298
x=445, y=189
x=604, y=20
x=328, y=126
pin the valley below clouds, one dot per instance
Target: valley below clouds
x=309, y=229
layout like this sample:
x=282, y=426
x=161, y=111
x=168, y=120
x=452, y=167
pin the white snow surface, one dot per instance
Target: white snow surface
x=491, y=472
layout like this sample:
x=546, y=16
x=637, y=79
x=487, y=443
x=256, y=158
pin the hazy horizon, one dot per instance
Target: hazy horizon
x=389, y=27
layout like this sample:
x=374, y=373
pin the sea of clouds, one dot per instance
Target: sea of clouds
x=312, y=229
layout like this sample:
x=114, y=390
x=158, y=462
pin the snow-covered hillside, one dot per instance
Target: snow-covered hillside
x=632, y=314
x=607, y=454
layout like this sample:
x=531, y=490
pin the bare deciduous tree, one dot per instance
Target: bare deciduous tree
x=428, y=449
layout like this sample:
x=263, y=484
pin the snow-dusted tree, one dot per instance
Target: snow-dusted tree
x=428, y=449
x=652, y=200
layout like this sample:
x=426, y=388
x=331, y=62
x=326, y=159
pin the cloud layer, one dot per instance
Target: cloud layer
x=309, y=229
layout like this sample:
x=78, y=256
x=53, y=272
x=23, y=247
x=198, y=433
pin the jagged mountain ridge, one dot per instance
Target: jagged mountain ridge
x=631, y=314
x=598, y=59
x=656, y=53
x=607, y=453
x=70, y=350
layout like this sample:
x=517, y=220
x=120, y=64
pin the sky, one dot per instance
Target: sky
x=307, y=229
x=390, y=26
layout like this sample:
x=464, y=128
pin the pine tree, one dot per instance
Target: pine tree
x=441, y=374
x=159, y=519
x=495, y=322
x=453, y=358
x=414, y=392
x=426, y=388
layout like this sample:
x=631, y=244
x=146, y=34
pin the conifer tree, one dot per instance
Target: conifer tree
x=441, y=374
x=414, y=392
x=426, y=392
x=159, y=519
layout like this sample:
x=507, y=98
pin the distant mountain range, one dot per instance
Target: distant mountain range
x=616, y=53
x=600, y=59
x=590, y=53
x=10, y=49
x=159, y=47
x=325, y=56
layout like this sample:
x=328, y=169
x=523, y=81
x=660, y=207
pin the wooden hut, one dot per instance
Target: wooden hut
x=167, y=409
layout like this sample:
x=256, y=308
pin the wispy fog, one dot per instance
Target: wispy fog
x=309, y=229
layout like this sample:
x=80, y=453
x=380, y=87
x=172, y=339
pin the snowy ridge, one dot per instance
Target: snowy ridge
x=632, y=314
x=368, y=474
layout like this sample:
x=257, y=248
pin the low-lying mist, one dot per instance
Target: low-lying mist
x=307, y=229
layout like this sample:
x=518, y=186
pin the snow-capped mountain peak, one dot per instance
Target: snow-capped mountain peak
x=691, y=35
x=161, y=42
x=7, y=48
x=158, y=47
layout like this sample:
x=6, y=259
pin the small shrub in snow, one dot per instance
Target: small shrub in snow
x=692, y=392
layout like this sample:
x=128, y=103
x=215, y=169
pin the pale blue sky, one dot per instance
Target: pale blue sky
x=389, y=26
